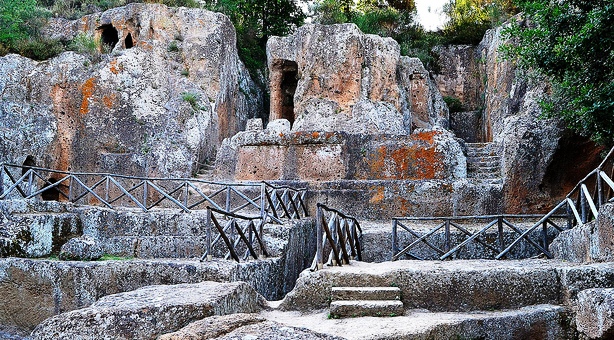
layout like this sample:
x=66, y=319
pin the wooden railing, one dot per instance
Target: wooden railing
x=451, y=235
x=233, y=234
x=338, y=238
x=271, y=202
x=286, y=202
x=580, y=206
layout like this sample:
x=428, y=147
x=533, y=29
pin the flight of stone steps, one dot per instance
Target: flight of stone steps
x=484, y=162
x=365, y=301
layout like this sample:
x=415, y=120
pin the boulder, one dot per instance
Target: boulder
x=84, y=248
x=158, y=104
x=595, y=313
x=336, y=78
x=591, y=242
x=150, y=311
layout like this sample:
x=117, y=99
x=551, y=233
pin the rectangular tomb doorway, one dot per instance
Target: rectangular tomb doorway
x=284, y=79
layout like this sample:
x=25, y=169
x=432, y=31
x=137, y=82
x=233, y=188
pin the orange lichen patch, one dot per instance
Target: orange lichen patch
x=429, y=163
x=427, y=136
x=315, y=134
x=114, y=69
x=87, y=90
x=109, y=100
x=378, y=197
x=401, y=159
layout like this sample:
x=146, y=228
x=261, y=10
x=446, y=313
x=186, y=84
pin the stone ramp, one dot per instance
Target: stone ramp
x=544, y=322
x=150, y=311
x=462, y=285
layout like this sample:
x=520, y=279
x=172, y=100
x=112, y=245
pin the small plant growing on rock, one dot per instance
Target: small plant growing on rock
x=85, y=43
x=185, y=73
x=172, y=47
x=192, y=99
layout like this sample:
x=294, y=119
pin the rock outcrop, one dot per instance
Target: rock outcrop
x=242, y=326
x=591, y=242
x=150, y=311
x=541, y=161
x=171, y=88
x=336, y=78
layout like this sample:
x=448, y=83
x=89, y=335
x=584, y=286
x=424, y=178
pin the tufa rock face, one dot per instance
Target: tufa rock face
x=541, y=160
x=159, y=104
x=336, y=78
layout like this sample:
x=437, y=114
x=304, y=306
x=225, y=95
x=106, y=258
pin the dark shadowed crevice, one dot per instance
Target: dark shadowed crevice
x=288, y=88
x=575, y=157
x=27, y=164
x=52, y=194
x=128, y=42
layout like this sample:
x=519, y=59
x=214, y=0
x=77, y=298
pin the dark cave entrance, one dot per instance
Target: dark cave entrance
x=29, y=162
x=128, y=42
x=109, y=35
x=289, y=81
x=51, y=194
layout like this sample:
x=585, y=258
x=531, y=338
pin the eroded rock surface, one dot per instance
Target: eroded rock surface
x=242, y=326
x=595, y=313
x=336, y=78
x=591, y=242
x=150, y=311
x=500, y=103
x=158, y=104
x=84, y=248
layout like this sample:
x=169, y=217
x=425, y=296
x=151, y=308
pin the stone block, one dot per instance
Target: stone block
x=595, y=313
x=320, y=162
x=261, y=163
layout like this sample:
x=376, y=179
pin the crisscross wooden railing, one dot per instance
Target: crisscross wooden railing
x=338, y=238
x=232, y=234
x=286, y=202
x=144, y=193
x=451, y=235
x=580, y=206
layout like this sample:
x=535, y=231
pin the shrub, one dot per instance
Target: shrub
x=454, y=104
x=39, y=48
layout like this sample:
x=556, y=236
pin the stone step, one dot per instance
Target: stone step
x=357, y=308
x=485, y=167
x=366, y=293
x=495, y=160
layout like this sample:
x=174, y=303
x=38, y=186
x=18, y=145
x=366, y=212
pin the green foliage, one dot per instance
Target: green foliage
x=571, y=42
x=39, y=48
x=454, y=104
x=85, y=43
x=107, y=257
x=172, y=47
x=16, y=18
x=255, y=21
x=192, y=99
x=469, y=19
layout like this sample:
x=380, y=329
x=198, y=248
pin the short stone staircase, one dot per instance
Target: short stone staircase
x=484, y=162
x=365, y=301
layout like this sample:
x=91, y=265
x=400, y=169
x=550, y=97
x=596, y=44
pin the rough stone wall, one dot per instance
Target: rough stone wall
x=328, y=156
x=353, y=82
x=129, y=111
